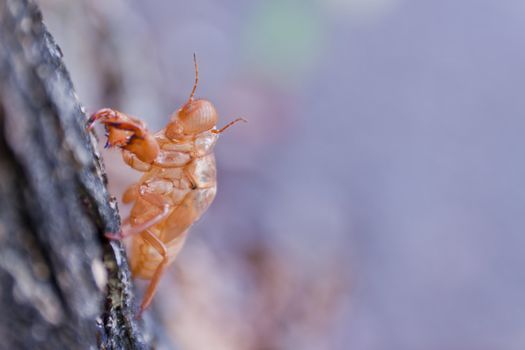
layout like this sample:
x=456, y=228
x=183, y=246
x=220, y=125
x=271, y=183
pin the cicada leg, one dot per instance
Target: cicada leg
x=131, y=194
x=154, y=199
x=126, y=220
x=160, y=247
x=127, y=133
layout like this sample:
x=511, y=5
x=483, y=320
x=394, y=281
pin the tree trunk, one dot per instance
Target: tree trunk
x=63, y=286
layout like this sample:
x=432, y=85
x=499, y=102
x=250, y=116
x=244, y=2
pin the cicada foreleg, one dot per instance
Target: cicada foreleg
x=126, y=132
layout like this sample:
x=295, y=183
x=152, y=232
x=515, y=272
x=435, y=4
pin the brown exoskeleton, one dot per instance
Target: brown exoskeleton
x=178, y=185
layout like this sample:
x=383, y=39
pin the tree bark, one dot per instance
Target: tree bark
x=63, y=286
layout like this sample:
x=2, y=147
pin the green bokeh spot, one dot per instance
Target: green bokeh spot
x=283, y=40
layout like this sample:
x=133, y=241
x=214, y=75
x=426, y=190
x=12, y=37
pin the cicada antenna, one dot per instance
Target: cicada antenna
x=221, y=130
x=196, y=76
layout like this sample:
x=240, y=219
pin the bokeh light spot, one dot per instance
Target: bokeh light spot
x=283, y=41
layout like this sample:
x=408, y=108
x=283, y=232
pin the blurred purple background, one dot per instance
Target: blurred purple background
x=375, y=198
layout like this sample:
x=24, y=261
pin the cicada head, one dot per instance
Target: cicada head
x=195, y=117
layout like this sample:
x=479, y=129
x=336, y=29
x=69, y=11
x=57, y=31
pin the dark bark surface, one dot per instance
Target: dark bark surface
x=63, y=286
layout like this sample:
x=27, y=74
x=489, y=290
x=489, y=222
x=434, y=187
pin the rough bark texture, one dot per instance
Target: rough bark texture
x=63, y=286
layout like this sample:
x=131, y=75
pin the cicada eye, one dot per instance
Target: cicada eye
x=198, y=116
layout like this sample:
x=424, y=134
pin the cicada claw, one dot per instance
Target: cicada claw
x=127, y=133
